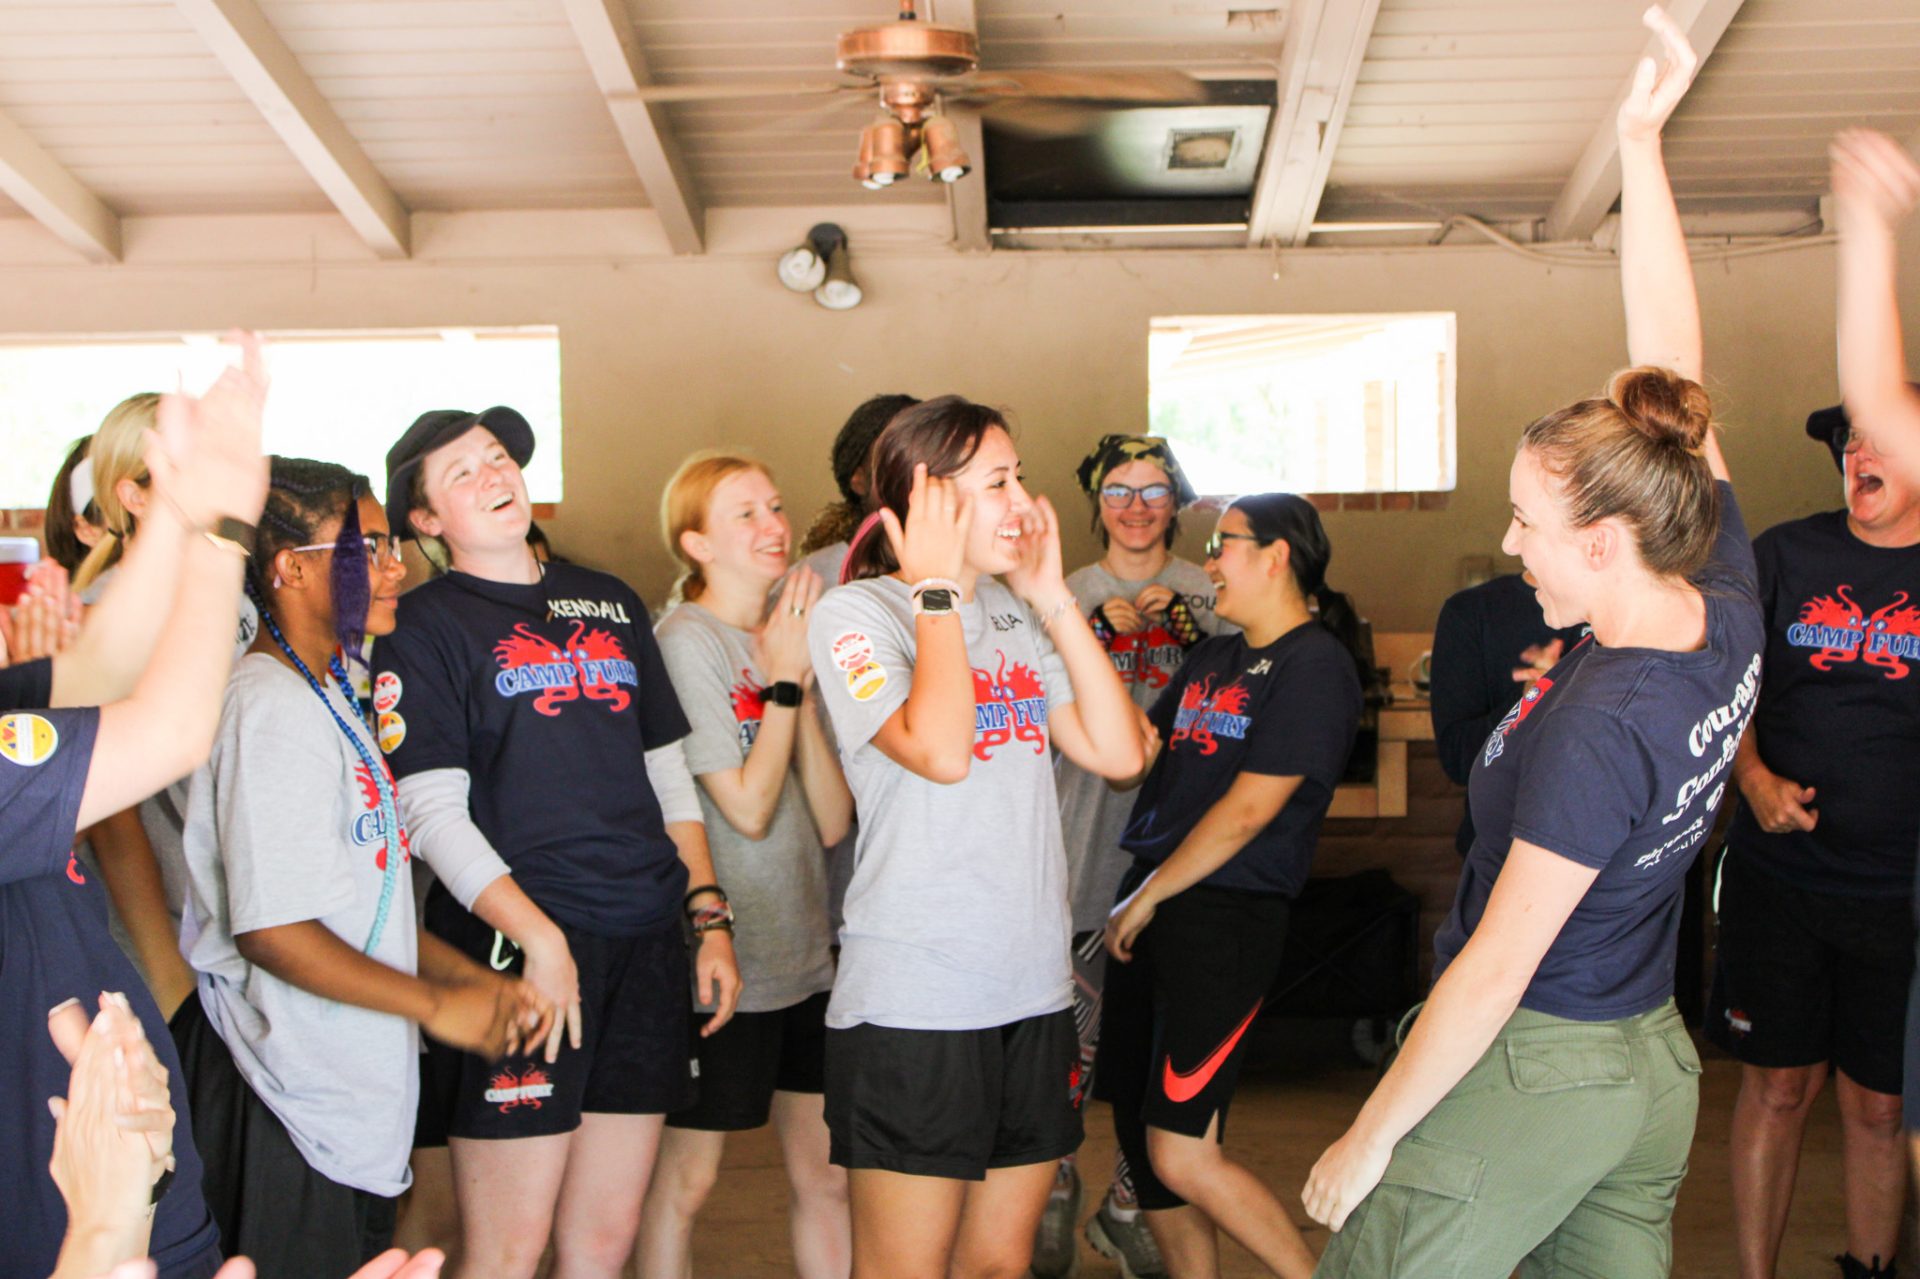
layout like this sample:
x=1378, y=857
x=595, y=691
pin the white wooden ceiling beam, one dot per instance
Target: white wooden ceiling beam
x=259, y=61
x=605, y=31
x=1326, y=41
x=1583, y=204
x=55, y=198
x=967, y=198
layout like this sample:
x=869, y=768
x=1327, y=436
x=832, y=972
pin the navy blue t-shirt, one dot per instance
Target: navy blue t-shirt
x=1287, y=710
x=547, y=696
x=1618, y=759
x=1839, y=707
x=54, y=946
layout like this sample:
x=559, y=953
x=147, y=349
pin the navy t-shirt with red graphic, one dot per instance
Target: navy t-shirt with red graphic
x=1618, y=759
x=54, y=946
x=1289, y=709
x=1839, y=707
x=547, y=695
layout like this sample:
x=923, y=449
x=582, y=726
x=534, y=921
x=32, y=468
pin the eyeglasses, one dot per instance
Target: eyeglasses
x=1856, y=439
x=382, y=548
x=1120, y=496
x=1218, y=542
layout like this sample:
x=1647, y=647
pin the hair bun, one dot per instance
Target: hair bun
x=1667, y=408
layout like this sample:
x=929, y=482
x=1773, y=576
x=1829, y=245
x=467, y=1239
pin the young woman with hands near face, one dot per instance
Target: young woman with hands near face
x=951, y=1047
x=774, y=801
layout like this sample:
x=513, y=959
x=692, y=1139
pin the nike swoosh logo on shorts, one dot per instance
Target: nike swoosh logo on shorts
x=1185, y=1086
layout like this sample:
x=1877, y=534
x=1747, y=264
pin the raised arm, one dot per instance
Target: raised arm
x=1099, y=730
x=1656, y=273
x=206, y=466
x=932, y=733
x=1875, y=187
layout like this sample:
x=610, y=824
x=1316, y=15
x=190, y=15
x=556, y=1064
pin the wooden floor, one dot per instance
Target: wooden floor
x=1282, y=1119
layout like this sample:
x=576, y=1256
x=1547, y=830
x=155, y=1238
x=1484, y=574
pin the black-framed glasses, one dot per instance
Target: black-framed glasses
x=1120, y=496
x=1217, y=542
x=382, y=548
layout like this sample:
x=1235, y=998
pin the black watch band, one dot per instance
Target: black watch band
x=783, y=692
x=161, y=1187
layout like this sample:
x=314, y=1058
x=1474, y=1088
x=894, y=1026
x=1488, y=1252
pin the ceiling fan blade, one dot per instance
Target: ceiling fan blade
x=1083, y=86
x=736, y=89
x=1041, y=117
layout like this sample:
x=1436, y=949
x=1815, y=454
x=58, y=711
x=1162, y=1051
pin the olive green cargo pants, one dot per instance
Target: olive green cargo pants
x=1560, y=1154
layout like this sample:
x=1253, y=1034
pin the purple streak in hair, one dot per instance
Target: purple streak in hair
x=348, y=581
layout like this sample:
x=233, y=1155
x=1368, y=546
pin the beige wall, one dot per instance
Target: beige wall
x=664, y=355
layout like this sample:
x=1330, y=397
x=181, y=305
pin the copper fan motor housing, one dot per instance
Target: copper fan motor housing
x=908, y=50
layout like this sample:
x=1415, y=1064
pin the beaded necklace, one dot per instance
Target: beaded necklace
x=389, y=808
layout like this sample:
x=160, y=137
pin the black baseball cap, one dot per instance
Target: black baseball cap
x=1830, y=427
x=443, y=426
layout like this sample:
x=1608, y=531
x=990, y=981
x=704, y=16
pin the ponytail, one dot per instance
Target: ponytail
x=1289, y=518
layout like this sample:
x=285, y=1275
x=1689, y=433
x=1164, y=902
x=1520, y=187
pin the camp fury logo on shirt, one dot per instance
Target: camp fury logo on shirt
x=1497, y=739
x=1840, y=631
x=748, y=698
x=1206, y=714
x=592, y=664
x=1007, y=705
x=1147, y=657
x=510, y=1091
x=369, y=826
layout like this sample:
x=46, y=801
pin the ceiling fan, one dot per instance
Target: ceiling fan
x=912, y=64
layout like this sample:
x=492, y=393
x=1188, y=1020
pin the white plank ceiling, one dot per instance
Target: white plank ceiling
x=1460, y=106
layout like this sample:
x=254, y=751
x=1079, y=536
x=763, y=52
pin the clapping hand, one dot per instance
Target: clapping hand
x=1873, y=178
x=782, y=641
x=44, y=621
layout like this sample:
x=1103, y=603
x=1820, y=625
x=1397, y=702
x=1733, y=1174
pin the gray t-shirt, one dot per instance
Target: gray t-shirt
x=162, y=816
x=778, y=884
x=283, y=826
x=1092, y=813
x=956, y=916
x=826, y=562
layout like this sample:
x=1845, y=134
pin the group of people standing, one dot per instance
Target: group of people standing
x=906, y=848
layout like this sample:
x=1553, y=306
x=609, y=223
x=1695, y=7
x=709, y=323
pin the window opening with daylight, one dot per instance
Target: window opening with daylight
x=1306, y=403
x=338, y=396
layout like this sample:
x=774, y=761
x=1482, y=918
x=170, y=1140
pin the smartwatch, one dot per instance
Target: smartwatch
x=935, y=601
x=782, y=692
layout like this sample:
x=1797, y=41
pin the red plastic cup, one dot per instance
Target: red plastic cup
x=18, y=555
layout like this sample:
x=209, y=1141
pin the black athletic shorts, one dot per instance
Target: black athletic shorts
x=953, y=1103
x=1802, y=977
x=270, y=1203
x=752, y=1057
x=632, y=1060
x=1174, y=1020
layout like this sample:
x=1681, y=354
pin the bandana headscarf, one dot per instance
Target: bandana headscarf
x=1118, y=450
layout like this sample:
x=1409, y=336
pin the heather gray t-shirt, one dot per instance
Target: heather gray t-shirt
x=778, y=884
x=826, y=562
x=1092, y=813
x=283, y=826
x=956, y=915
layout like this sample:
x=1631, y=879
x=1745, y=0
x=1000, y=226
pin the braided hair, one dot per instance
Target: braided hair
x=839, y=521
x=302, y=496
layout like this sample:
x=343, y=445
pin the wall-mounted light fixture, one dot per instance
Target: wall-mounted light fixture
x=820, y=266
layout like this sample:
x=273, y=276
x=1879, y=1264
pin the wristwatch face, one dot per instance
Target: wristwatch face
x=783, y=693
x=936, y=599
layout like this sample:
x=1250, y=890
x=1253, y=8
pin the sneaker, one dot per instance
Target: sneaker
x=1056, y=1253
x=1128, y=1242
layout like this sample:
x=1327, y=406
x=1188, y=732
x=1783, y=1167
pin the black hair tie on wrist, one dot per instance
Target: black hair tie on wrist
x=686, y=903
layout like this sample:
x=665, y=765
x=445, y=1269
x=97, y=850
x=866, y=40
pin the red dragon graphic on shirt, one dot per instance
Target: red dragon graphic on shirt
x=1146, y=657
x=592, y=664
x=748, y=698
x=1839, y=630
x=1008, y=705
x=510, y=1090
x=1207, y=714
x=368, y=825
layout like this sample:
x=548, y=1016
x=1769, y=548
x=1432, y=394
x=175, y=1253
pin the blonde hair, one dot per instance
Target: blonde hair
x=1638, y=453
x=119, y=452
x=683, y=508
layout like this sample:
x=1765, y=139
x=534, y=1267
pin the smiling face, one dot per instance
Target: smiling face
x=1137, y=526
x=384, y=572
x=1556, y=554
x=744, y=529
x=992, y=477
x=476, y=495
x=1879, y=499
x=1244, y=573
